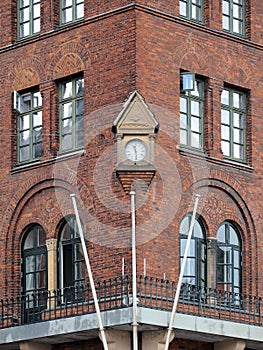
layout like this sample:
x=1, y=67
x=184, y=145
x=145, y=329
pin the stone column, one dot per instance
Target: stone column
x=211, y=269
x=155, y=340
x=52, y=266
x=32, y=345
x=230, y=345
x=118, y=340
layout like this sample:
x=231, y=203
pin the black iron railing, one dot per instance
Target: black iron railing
x=116, y=293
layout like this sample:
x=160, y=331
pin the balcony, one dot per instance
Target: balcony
x=116, y=293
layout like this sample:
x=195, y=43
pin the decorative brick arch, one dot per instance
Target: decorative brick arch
x=222, y=202
x=71, y=58
x=26, y=73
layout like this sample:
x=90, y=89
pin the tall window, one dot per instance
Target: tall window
x=71, y=260
x=191, y=115
x=72, y=114
x=195, y=269
x=233, y=124
x=192, y=9
x=28, y=17
x=71, y=10
x=233, y=12
x=229, y=259
x=34, y=272
x=29, y=126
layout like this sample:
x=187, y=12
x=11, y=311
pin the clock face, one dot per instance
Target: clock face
x=135, y=150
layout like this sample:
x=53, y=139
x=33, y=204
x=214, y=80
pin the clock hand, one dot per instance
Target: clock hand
x=135, y=151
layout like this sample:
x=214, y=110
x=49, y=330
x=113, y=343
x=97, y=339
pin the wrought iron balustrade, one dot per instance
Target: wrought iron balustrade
x=116, y=293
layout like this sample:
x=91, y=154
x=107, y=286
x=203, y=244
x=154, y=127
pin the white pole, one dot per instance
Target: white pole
x=144, y=267
x=134, y=287
x=123, y=268
x=102, y=332
x=178, y=289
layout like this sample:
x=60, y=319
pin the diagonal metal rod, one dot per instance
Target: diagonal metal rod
x=134, y=272
x=179, y=284
x=92, y=285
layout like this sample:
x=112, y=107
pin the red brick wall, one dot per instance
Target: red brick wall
x=115, y=60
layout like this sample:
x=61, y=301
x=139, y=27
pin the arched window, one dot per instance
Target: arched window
x=195, y=269
x=229, y=258
x=71, y=266
x=34, y=272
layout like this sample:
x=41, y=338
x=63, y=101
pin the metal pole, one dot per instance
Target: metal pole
x=178, y=289
x=134, y=287
x=102, y=332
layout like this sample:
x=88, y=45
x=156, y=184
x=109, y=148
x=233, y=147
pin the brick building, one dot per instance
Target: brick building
x=99, y=98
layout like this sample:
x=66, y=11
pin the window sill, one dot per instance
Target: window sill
x=39, y=163
x=198, y=154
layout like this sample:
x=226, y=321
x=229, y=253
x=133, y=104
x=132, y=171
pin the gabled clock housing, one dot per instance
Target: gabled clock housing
x=135, y=122
x=135, y=125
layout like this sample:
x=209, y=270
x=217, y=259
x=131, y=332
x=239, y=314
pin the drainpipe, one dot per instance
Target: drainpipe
x=134, y=287
x=178, y=289
x=102, y=332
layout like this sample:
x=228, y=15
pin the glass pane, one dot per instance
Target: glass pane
x=30, y=282
x=36, y=25
x=66, y=3
x=183, y=121
x=237, y=122
x=25, y=103
x=24, y=138
x=67, y=110
x=24, y=15
x=30, y=263
x=80, y=11
x=190, y=268
x=24, y=154
x=24, y=3
x=67, y=126
x=79, y=107
x=67, y=90
x=220, y=235
x=225, y=97
x=237, y=26
x=79, y=86
x=183, y=11
x=236, y=277
x=183, y=105
x=237, y=100
x=182, y=246
x=24, y=30
x=36, y=10
x=195, y=140
x=40, y=262
x=238, y=136
x=198, y=232
x=24, y=122
x=196, y=13
x=41, y=280
x=237, y=11
x=37, y=99
x=183, y=137
x=238, y=151
x=226, y=7
x=184, y=226
x=225, y=148
x=236, y=261
x=226, y=23
x=225, y=132
x=195, y=124
x=37, y=119
x=29, y=242
x=195, y=108
x=67, y=15
x=66, y=142
x=191, y=251
x=197, y=89
x=225, y=117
